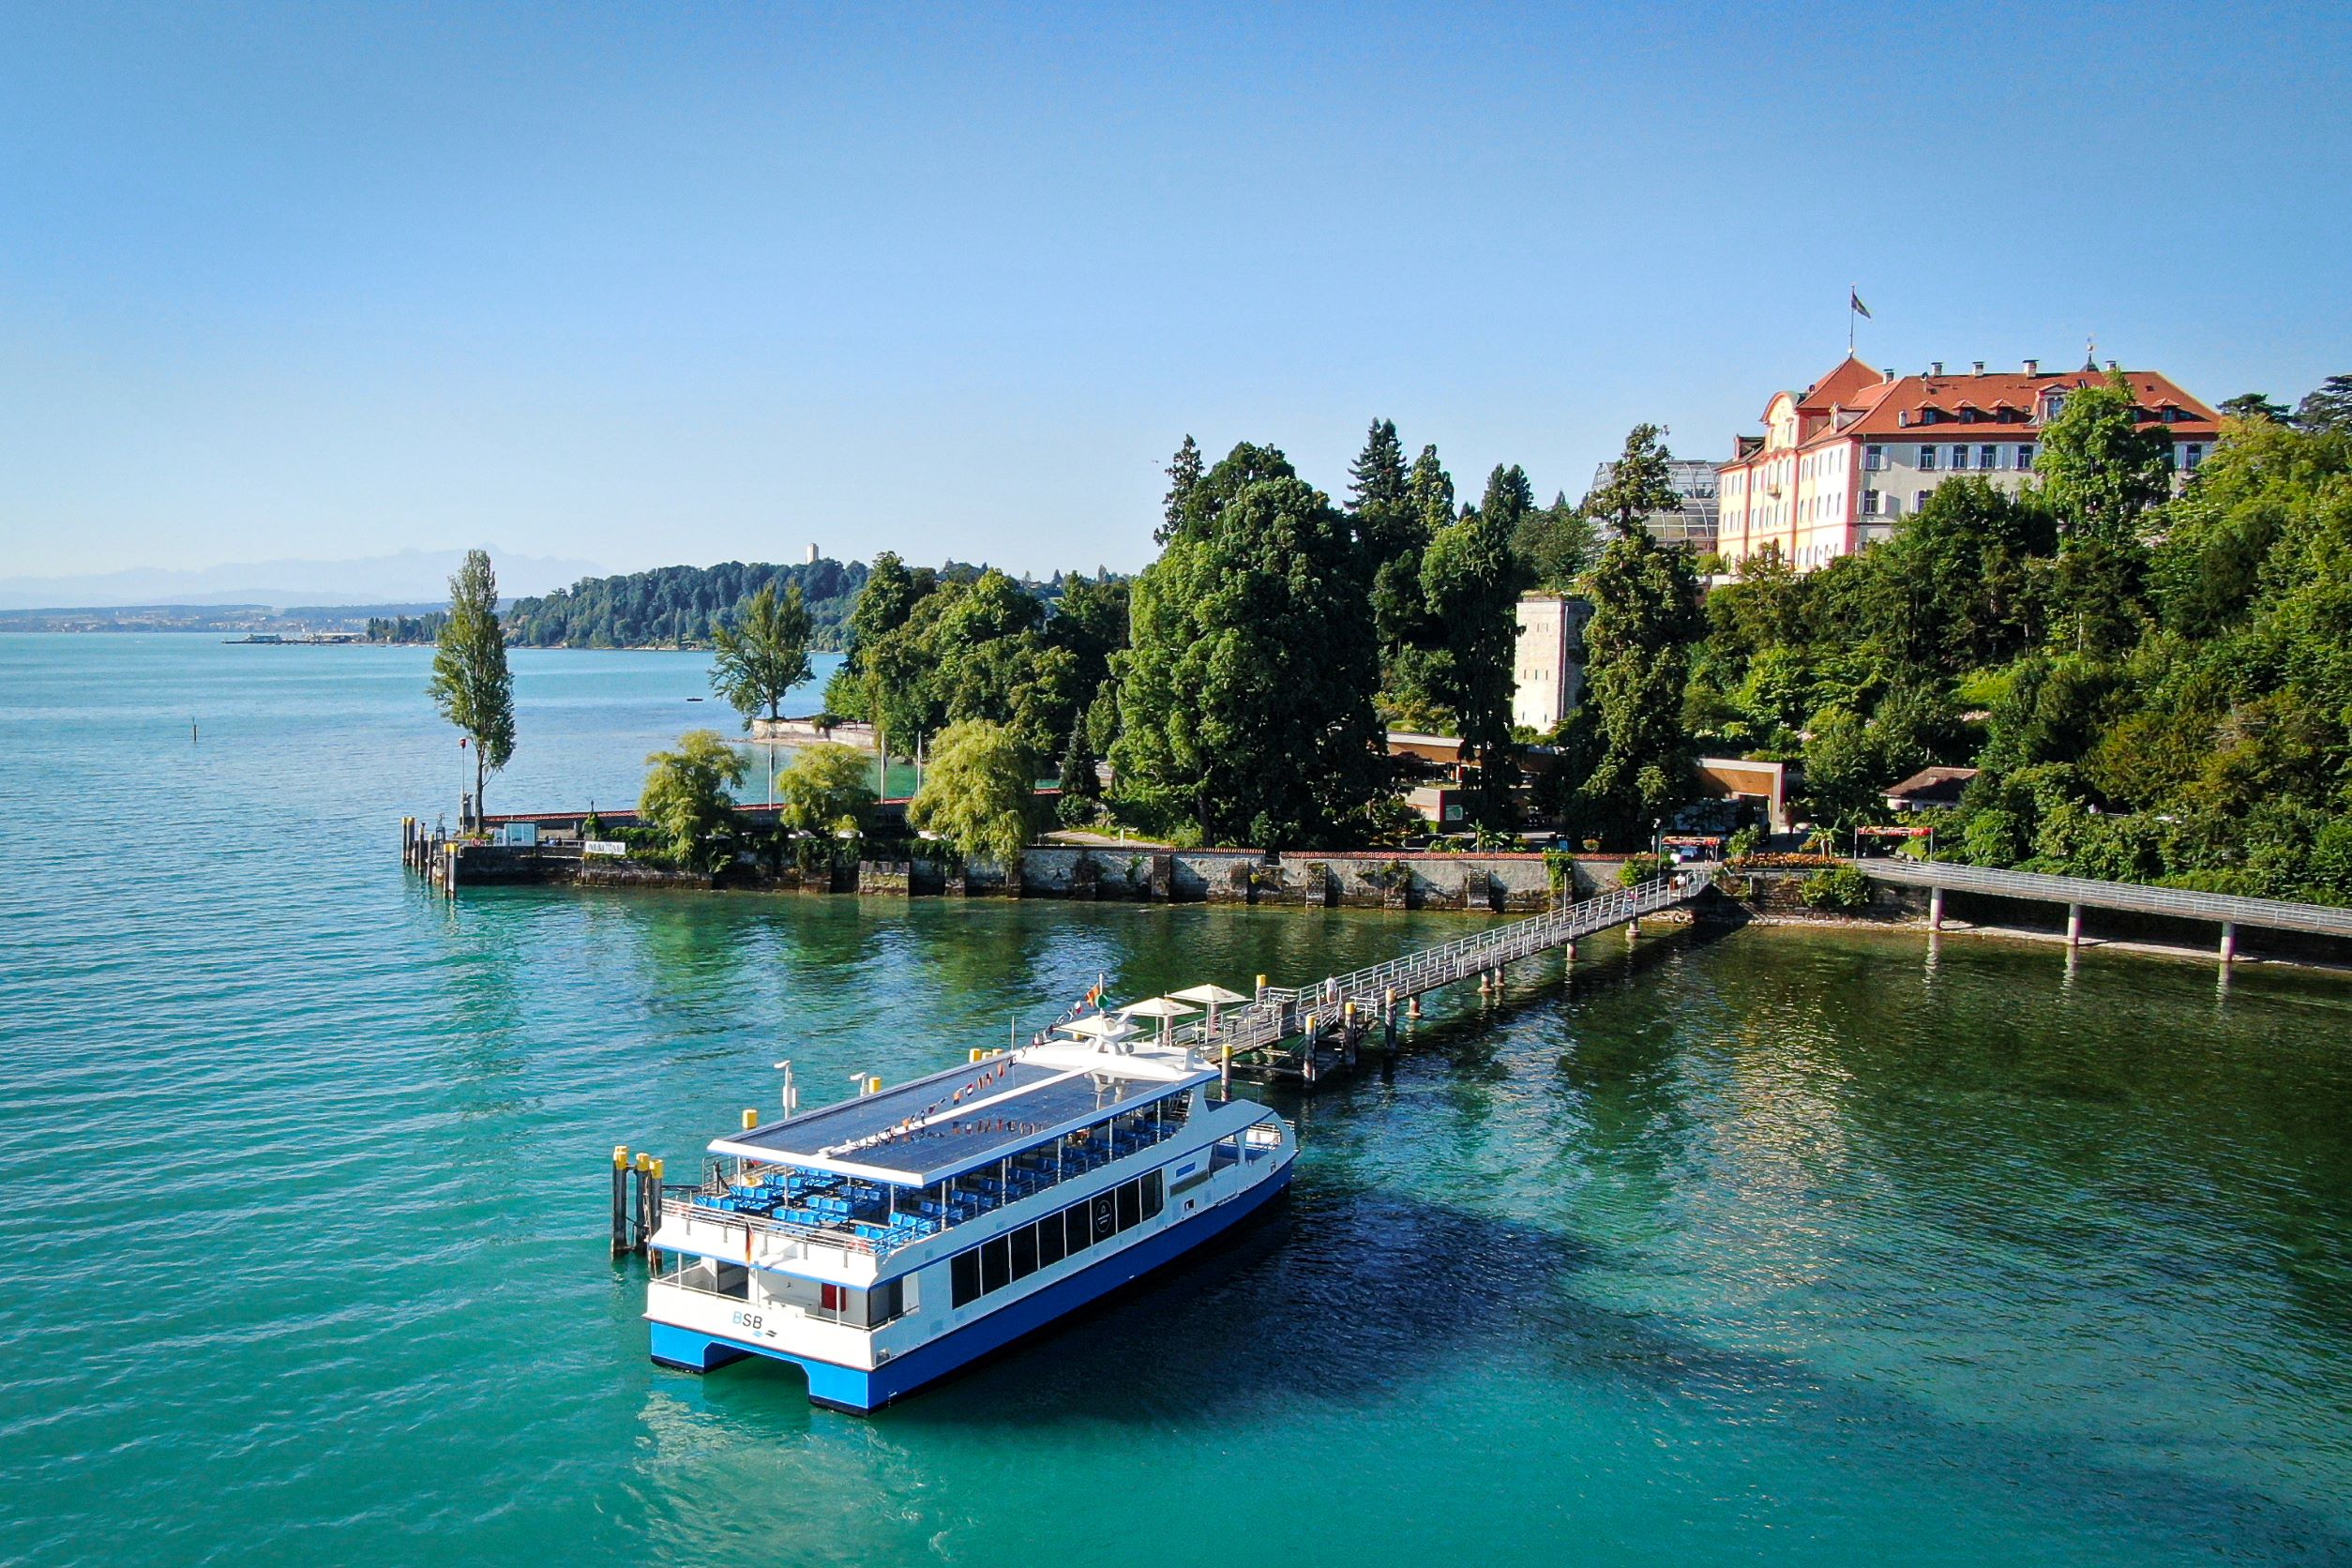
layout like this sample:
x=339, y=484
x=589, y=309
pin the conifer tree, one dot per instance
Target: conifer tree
x=1639, y=485
x=1184, y=478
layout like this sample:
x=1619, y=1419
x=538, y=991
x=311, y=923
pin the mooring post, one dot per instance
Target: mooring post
x=644, y=1187
x=2073, y=925
x=1412, y=1007
x=2229, y=942
x=620, y=1198
x=653, y=1220
x=1934, y=909
x=1633, y=929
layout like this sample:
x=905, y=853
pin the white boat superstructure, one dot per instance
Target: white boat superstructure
x=888, y=1240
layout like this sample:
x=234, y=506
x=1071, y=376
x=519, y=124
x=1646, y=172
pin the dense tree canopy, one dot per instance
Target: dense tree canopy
x=679, y=607
x=1245, y=698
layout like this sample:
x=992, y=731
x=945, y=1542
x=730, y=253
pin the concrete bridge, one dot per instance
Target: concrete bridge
x=2079, y=893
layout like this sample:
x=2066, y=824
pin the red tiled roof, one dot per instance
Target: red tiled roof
x=1839, y=386
x=1896, y=412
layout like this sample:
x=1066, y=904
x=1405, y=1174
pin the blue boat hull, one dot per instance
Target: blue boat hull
x=848, y=1388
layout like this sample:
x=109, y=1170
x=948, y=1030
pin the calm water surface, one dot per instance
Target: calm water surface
x=1786, y=1247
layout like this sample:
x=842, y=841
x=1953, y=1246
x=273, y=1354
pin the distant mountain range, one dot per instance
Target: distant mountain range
x=409, y=576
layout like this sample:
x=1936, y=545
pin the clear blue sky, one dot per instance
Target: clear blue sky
x=681, y=283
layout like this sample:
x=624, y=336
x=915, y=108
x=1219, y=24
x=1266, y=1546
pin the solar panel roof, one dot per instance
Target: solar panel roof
x=941, y=1126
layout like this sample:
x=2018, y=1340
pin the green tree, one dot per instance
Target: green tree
x=825, y=788
x=1470, y=582
x=1380, y=498
x=1638, y=658
x=764, y=656
x=472, y=686
x=1640, y=483
x=2100, y=466
x=2330, y=408
x=1184, y=478
x=1555, y=545
x=2256, y=405
x=686, y=795
x=1081, y=787
x=1246, y=695
x=979, y=793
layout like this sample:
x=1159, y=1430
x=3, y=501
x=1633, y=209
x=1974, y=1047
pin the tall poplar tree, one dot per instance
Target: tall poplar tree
x=471, y=684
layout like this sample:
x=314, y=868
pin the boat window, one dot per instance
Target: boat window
x=1104, y=1210
x=963, y=1273
x=886, y=1302
x=996, y=1264
x=1051, y=1234
x=1152, y=1194
x=1130, y=1203
x=1078, y=1228
x=1024, y=1251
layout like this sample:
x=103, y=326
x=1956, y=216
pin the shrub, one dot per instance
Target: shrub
x=1640, y=869
x=1840, y=888
x=1746, y=842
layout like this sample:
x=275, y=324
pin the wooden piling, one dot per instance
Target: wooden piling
x=1934, y=909
x=2073, y=925
x=2229, y=942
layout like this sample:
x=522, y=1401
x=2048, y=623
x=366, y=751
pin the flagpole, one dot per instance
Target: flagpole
x=1853, y=291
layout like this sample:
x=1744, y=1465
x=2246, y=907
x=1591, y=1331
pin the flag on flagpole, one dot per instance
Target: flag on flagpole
x=1853, y=303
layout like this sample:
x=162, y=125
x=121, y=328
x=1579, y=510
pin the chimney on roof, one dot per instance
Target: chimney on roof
x=2111, y=367
x=2033, y=367
x=1886, y=373
x=1935, y=366
x=1979, y=365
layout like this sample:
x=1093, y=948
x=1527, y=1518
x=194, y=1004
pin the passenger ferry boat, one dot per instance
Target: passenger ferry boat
x=884, y=1243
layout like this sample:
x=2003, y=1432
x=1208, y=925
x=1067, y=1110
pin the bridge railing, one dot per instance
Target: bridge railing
x=2275, y=913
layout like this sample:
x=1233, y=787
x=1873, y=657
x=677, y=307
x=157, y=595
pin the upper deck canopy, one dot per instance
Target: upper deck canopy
x=941, y=1126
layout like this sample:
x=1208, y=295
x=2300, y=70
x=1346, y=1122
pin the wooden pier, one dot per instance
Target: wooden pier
x=1307, y=1032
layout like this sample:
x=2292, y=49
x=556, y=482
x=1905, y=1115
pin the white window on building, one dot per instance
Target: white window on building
x=1919, y=501
x=1873, y=457
x=1870, y=503
x=2025, y=455
x=2192, y=454
x=1928, y=458
x=1959, y=458
x=1988, y=457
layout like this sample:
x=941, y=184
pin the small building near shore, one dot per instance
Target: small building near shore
x=1929, y=787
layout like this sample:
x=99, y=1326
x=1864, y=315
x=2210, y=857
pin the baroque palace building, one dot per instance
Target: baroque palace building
x=1841, y=460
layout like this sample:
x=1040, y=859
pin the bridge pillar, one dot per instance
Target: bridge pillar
x=1934, y=909
x=1633, y=929
x=2229, y=942
x=2073, y=925
x=1412, y=1007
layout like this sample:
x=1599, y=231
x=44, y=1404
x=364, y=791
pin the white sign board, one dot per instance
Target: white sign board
x=612, y=848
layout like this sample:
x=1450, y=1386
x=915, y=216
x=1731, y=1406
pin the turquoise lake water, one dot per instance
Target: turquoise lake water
x=1783, y=1247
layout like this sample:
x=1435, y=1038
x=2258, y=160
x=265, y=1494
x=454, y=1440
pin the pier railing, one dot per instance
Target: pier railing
x=1279, y=1012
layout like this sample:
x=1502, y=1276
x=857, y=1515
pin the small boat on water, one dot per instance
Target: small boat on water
x=885, y=1241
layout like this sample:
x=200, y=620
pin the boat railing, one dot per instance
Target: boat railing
x=767, y=1225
